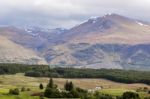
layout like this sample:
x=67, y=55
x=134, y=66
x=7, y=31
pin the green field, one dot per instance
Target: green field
x=19, y=80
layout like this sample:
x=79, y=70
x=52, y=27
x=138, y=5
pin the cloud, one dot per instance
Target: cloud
x=67, y=13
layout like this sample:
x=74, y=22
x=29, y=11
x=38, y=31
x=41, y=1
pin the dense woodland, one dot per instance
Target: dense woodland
x=124, y=76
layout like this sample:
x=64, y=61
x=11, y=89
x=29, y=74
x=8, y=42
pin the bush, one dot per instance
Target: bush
x=130, y=95
x=14, y=91
x=147, y=98
x=28, y=89
x=52, y=93
x=74, y=94
x=23, y=89
x=149, y=92
x=80, y=90
x=98, y=95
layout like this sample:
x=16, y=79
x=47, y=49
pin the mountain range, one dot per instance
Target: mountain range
x=111, y=41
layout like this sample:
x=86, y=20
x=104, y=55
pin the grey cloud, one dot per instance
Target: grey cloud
x=67, y=13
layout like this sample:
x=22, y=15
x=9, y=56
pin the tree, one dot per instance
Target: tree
x=71, y=86
x=41, y=86
x=51, y=90
x=50, y=84
x=68, y=86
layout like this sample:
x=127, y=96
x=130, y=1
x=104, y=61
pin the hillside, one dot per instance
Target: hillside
x=110, y=41
x=112, y=29
x=13, y=53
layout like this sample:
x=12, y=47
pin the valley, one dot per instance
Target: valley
x=108, y=82
x=19, y=81
x=74, y=49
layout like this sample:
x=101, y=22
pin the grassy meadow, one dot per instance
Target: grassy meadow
x=19, y=80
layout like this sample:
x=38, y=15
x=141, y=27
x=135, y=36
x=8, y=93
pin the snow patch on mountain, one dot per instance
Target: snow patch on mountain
x=94, y=19
x=142, y=23
x=30, y=32
x=139, y=23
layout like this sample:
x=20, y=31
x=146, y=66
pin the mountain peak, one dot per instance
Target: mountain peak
x=100, y=24
x=114, y=16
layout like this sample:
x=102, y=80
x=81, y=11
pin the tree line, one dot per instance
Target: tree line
x=124, y=76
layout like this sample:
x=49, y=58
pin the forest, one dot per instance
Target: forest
x=123, y=76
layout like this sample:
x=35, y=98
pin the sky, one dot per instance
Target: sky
x=67, y=13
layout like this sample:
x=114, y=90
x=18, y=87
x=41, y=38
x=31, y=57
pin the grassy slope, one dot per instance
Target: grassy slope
x=18, y=80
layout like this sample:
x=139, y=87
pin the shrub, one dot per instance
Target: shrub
x=98, y=95
x=14, y=91
x=52, y=93
x=23, y=89
x=130, y=95
x=28, y=89
x=147, y=98
x=149, y=92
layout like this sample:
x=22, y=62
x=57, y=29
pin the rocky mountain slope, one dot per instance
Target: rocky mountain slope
x=111, y=41
x=13, y=53
x=110, y=29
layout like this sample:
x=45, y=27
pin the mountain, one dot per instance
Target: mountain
x=24, y=44
x=14, y=53
x=110, y=41
x=33, y=37
x=111, y=28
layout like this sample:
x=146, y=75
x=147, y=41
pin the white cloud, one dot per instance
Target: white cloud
x=67, y=13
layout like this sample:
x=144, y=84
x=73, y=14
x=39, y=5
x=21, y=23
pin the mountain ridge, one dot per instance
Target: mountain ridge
x=110, y=41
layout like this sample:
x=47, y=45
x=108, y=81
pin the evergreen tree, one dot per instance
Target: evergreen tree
x=51, y=90
x=50, y=84
x=41, y=86
x=68, y=86
x=71, y=86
